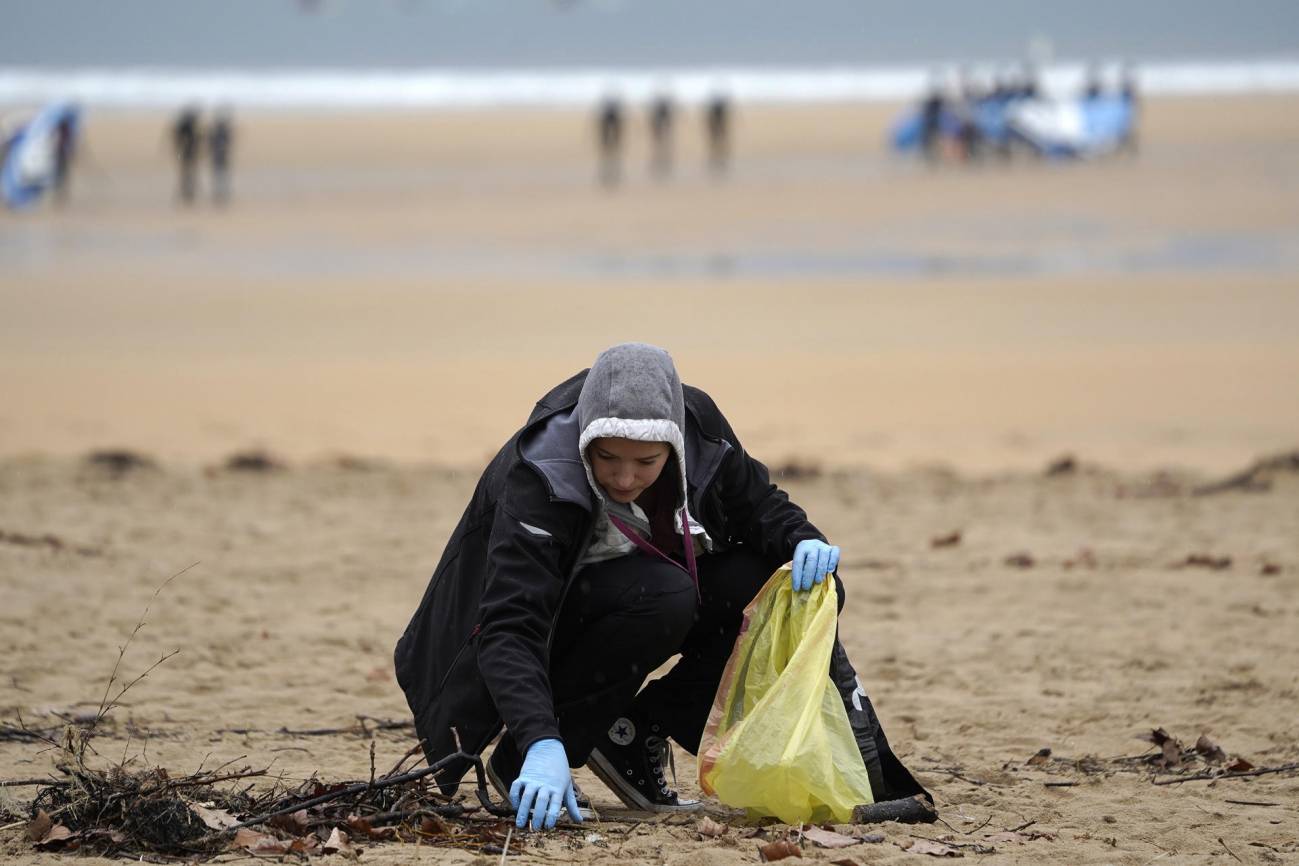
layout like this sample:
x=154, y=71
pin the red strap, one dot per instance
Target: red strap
x=688, y=543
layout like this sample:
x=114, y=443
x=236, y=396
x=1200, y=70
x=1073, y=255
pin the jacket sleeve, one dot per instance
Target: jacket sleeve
x=758, y=512
x=525, y=582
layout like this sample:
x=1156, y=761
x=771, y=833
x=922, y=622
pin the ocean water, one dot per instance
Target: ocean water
x=396, y=53
x=169, y=88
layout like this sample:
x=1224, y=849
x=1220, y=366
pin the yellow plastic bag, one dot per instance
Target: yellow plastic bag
x=778, y=742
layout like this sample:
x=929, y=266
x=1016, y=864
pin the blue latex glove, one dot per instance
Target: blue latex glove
x=544, y=786
x=813, y=560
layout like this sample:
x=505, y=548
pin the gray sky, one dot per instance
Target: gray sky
x=556, y=33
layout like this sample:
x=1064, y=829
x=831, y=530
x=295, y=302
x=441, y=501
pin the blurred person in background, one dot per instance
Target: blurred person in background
x=220, y=143
x=65, y=152
x=609, y=137
x=661, y=115
x=717, y=126
x=186, y=142
x=1128, y=92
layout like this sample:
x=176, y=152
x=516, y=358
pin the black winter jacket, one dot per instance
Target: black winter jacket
x=476, y=653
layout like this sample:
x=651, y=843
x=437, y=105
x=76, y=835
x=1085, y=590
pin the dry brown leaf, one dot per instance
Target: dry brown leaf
x=1211, y=751
x=1239, y=765
x=39, y=826
x=435, y=825
x=1171, y=747
x=259, y=843
x=950, y=540
x=933, y=849
x=216, y=819
x=1040, y=758
x=298, y=823
x=56, y=836
x=1020, y=560
x=362, y=826
x=844, y=861
x=338, y=843
x=709, y=827
x=829, y=838
x=778, y=850
x=305, y=845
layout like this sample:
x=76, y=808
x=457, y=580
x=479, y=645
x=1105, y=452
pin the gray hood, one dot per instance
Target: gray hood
x=633, y=392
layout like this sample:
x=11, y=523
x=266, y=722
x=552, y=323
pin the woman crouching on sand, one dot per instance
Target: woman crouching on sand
x=624, y=523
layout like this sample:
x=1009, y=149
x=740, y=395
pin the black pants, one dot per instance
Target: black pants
x=622, y=619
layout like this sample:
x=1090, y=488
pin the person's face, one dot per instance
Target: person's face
x=625, y=468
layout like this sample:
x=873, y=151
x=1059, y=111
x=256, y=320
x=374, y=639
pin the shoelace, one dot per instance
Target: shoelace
x=658, y=748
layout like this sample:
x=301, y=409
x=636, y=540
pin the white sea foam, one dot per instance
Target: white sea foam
x=168, y=88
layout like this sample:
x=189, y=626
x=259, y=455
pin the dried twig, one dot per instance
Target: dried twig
x=1213, y=777
x=105, y=705
x=1229, y=851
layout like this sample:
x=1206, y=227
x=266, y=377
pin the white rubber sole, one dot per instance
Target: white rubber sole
x=631, y=798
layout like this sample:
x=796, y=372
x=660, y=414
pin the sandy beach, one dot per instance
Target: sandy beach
x=387, y=294
x=405, y=286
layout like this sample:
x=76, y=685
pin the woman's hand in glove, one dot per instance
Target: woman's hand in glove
x=544, y=786
x=813, y=560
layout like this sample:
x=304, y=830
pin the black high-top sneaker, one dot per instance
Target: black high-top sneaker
x=632, y=760
x=503, y=768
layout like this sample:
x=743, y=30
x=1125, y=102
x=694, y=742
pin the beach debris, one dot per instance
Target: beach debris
x=46, y=835
x=1066, y=464
x=930, y=847
x=1257, y=478
x=1204, y=560
x=1267, y=569
x=1170, y=747
x=47, y=540
x=1084, y=558
x=1039, y=758
x=119, y=461
x=951, y=539
x=778, y=850
x=1209, y=750
x=1015, y=837
x=708, y=828
x=254, y=461
x=844, y=861
x=217, y=819
x=829, y=838
x=909, y=810
x=338, y=843
x=1022, y=559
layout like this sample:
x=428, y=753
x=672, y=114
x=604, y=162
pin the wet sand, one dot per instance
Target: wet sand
x=406, y=286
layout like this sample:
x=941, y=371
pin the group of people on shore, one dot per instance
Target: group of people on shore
x=964, y=118
x=611, y=122
x=190, y=140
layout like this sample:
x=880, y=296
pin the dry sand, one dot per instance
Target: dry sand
x=403, y=289
x=306, y=577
